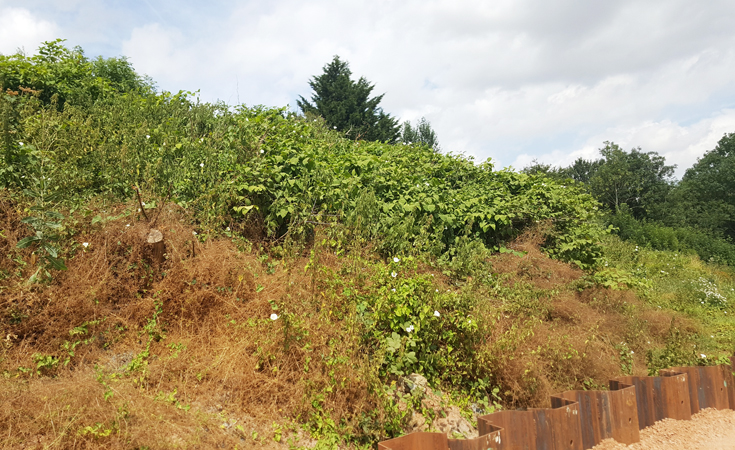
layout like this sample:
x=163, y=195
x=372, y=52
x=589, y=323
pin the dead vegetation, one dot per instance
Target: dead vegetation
x=120, y=352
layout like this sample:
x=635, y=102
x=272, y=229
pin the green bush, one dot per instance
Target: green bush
x=659, y=237
x=417, y=327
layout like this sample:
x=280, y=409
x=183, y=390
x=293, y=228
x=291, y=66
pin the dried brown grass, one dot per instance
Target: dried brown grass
x=568, y=335
x=203, y=319
x=213, y=347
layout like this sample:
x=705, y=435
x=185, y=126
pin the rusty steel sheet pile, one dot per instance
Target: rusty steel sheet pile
x=580, y=420
x=605, y=414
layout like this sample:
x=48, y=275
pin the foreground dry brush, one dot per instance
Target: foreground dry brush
x=118, y=352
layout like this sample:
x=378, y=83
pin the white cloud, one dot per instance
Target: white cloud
x=20, y=29
x=508, y=79
x=680, y=144
x=161, y=53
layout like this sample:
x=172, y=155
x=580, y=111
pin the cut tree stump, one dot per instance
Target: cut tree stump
x=155, y=241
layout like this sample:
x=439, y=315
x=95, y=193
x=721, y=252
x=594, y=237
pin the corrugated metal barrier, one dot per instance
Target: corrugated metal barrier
x=580, y=420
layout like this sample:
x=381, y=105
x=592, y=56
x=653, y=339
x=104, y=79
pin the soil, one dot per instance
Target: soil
x=710, y=429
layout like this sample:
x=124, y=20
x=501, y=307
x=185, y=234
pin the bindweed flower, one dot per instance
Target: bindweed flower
x=393, y=290
x=703, y=355
x=409, y=328
x=20, y=143
x=201, y=164
x=274, y=316
x=436, y=314
x=147, y=136
x=85, y=244
x=194, y=233
x=393, y=274
x=395, y=259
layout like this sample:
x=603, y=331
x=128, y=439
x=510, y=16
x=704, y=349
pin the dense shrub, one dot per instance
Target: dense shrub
x=684, y=239
x=287, y=174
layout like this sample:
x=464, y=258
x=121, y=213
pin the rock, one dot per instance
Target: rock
x=415, y=381
x=454, y=424
x=417, y=422
x=448, y=420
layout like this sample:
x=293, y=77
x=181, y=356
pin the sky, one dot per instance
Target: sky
x=510, y=80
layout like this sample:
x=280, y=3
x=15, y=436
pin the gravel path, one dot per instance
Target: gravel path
x=710, y=429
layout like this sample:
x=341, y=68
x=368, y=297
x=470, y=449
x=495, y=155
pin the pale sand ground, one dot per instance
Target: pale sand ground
x=710, y=429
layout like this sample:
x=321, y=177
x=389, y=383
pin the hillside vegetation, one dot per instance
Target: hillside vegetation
x=305, y=276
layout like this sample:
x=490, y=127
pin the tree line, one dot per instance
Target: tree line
x=647, y=205
x=637, y=189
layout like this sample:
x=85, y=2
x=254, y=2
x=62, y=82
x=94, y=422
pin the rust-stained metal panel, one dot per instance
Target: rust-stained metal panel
x=537, y=429
x=417, y=441
x=707, y=386
x=489, y=441
x=659, y=397
x=581, y=419
x=605, y=414
x=439, y=441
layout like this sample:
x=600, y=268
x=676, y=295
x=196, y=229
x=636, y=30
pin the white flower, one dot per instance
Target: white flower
x=469, y=320
x=395, y=259
x=436, y=314
x=142, y=203
x=194, y=233
x=147, y=136
x=262, y=151
x=227, y=229
x=335, y=127
x=436, y=290
x=409, y=328
x=127, y=225
x=201, y=164
x=274, y=316
x=85, y=244
x=20, y=143
x=631, y=352
x=393, y=274
x=702, y=355
x=393, y=290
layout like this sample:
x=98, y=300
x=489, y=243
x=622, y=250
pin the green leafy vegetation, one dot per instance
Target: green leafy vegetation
x=320, y=287
x=645, y=205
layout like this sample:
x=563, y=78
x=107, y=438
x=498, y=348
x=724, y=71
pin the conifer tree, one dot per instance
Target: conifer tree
x=422, y=133
x=346, y=105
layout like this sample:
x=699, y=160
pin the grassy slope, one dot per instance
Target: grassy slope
x=192, y=358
